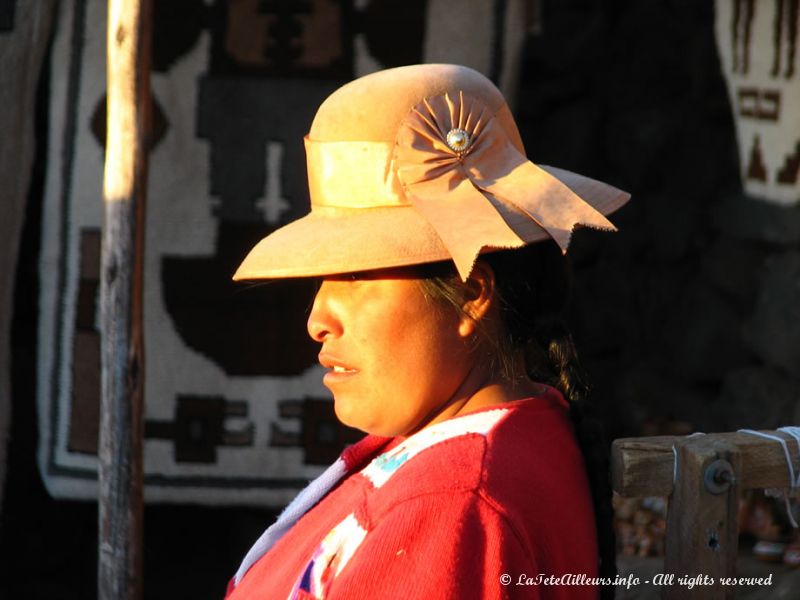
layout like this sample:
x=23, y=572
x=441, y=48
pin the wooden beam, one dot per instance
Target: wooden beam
x=122, y=347
x=644, y=466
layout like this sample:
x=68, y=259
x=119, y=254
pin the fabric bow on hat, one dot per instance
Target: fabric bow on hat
x=460, y=170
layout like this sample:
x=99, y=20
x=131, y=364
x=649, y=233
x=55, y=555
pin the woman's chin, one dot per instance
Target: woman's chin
x=347, y=413
x=352, y=414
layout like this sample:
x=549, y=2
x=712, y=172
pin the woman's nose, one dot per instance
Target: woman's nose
x=322, y=322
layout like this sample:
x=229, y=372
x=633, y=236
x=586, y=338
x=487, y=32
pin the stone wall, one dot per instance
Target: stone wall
x=691, y=312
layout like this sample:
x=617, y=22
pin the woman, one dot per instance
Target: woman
x=437, y=316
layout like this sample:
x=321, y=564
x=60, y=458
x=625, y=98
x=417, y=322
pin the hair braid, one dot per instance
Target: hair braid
x=591, y=439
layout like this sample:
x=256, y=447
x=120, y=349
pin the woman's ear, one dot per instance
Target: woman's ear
x=478, y=298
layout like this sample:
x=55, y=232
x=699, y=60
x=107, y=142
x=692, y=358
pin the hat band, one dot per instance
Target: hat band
x=352, y=175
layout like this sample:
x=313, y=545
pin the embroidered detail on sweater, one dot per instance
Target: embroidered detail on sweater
x=380, y=470
x=328, y=560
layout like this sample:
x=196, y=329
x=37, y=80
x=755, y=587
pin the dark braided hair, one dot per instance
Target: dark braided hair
x=532, y=286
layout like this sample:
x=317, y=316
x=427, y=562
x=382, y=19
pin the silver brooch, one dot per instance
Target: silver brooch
x=458, y=140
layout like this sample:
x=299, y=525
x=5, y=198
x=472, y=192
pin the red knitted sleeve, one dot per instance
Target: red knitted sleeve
x=438, y=545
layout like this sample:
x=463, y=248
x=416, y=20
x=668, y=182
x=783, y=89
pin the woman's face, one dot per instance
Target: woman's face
x=395, y=358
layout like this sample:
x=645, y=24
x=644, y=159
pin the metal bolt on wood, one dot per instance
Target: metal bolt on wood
x=718, y=476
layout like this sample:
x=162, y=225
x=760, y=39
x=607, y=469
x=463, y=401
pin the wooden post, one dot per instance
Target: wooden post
x=702, y=529
x=124, y=187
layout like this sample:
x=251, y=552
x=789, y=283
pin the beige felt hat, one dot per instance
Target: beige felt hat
x=421, y=164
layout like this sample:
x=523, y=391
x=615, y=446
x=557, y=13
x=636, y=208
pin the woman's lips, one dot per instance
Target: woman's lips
x=339, y=370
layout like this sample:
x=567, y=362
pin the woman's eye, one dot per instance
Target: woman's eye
x=357, y=276
x=346, y=276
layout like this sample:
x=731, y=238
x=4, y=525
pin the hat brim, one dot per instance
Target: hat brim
x=332, y=240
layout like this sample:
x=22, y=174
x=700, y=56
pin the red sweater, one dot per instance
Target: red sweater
x=444, y=513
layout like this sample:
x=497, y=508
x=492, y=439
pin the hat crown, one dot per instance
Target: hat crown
x=372, y=107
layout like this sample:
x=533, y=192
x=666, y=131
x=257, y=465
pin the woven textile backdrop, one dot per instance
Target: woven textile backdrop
x=235, y=411
x=760, y=55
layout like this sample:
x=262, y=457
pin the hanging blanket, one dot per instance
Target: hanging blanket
x=759, y=50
